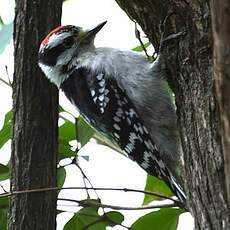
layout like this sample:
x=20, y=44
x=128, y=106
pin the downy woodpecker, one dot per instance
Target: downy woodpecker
x=121, y=94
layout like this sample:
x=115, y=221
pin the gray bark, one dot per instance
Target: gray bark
x=35, y=103
x=190, y=74
x=221, y=36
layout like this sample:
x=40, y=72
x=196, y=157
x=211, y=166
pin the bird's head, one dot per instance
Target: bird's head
x=61, y=46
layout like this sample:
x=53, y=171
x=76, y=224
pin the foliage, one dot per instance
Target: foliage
x=61, y=175
x=85, y=132
x=5, y=132
x=4, y=172
x=164, y=219
x=3, y=212
x=155, y=185
x=140, y=47
x=88, y=218
x=3, y=218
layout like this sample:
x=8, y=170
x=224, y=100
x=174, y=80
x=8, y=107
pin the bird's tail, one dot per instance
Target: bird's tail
x=177, y=189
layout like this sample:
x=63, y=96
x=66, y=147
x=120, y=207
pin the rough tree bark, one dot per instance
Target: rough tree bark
x=34, y=143
x=190, y=74
x=221, y=36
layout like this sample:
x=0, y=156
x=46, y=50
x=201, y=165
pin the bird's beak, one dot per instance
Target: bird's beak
x=90, y=34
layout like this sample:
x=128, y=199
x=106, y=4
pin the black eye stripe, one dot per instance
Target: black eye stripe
x=50, y=56
x=68, y=42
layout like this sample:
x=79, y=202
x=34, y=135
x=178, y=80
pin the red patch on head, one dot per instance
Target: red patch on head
x=59, y=29
x=54, y=31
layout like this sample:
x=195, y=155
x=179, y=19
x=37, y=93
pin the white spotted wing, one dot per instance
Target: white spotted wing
x=98, y=89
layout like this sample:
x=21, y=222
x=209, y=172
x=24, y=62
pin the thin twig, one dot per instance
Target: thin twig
x=3, y=188
x=72, y=115
x=62, y=117
x=7, y=74
x=96, y=188
x=85, y=178
x=138, y=36
x=9, y=83
x=5, y=82
x=91, y=203
x=75, y=162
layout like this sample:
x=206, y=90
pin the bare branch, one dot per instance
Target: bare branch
x=89, y=188
x=91, y=203
x=138, y=36
x=3, y=188
x=5, y=82
x=8, y=77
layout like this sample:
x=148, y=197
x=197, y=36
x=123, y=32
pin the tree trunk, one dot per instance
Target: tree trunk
x=221, y=35
x=35, y=103
x=190, y=74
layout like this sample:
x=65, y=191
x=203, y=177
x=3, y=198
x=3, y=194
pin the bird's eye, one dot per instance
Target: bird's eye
x=68, y=42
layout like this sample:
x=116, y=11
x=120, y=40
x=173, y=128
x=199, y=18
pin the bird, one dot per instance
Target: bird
x=119, y=93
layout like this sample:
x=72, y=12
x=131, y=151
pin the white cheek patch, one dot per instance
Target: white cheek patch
x=53, y=74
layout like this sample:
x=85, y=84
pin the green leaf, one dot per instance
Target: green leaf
x=88, y=218
x=61, y=175
x=4, y=176
x=84, y=131
x=113, y=218
x=64, y=150
x=140, y=48
x=85, y=218
x=5, y=132
x=3, y=169
x=4, y=172
x=3, y=219
x=164, y=219
x=6, y=33
x=4, y=203
x=66, y=134
x=67, y=131
x=155, y=185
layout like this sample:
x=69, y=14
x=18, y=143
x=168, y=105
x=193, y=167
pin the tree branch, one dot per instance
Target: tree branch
x=90, y=203
x=8, y=194
x=5, y=82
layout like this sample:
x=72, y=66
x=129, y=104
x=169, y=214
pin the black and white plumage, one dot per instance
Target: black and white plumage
x=120, y=94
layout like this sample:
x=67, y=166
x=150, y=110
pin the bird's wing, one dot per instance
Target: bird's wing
x=97, y=86
x=120, y=119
